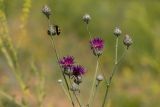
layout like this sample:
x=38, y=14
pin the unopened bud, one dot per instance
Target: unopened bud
x=74, y=87
x=59, y=81
x=46, y=10
x=127, y=41
x=51, y=30
x=117, y=32
x=78, y=80
x=100, y=77
x=86, y=18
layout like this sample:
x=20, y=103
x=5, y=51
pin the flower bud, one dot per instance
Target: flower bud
x=46, y=10
x=78, y=80
x=59, y=81
x=99, y=77
x=68, y=71
x=51, y=30
x=117, y=32
x=74, y=87
x=86, y=18
x=127, y=41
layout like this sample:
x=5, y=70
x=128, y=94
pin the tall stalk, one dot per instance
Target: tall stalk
x=94, y=83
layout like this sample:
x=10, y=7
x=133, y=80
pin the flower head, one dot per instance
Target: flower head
x=46, y=10
x=51, y=30
x=117, y=32
x=67, y=63
x=78, y=70
x=97, y=45
x=86, y=18
x=127, y=41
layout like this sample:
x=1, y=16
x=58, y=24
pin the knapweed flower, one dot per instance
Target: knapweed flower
x=127, y=41
x=86, y=18
x=97, y=45
x=117, y=32
x=51, y=30
x=78, y=70
x=46, y=10
x=67, y=64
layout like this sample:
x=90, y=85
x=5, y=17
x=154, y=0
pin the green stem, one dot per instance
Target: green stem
x=116, y=52
x=90, y=36
x=94, y=95
x=65, y=91
x=65, y=79
x=94, y=81
x=79, y=103
x=113, y=72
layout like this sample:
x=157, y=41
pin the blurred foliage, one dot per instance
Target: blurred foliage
x=137, y=81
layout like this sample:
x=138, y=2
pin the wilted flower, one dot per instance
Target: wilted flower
x=46, y=10
x=86, y=18
x=97, y=45
x=67, y=64
x=78, y=70
x=127, y=41
x=99, y=77
x=51, y=30
x=117, y=32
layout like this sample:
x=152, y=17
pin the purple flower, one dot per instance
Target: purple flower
x=97, y=45
x=78, y=70
x=67, y=62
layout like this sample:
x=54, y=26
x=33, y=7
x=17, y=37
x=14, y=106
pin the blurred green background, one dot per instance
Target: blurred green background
x=136, y=83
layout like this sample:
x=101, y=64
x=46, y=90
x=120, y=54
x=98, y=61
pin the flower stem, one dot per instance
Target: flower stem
x=116, y=52
x=94, y=82
x=113, y=72
x=65, y=79
x=65, y=91
x=94, y=95
x=79, y=103
x=90, y=36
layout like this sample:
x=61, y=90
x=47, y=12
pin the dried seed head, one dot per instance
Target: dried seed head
x=46, y=10
x=59, y=81
x=127, y=41
x=117, y=32
x=74, y=87
x=51, y=30
x=99, y=77
x=86, y=18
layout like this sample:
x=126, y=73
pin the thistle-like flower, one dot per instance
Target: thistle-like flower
x=86, y=18
x=127, y=41
x=117, y=32
x=46, y=10
x=97, y=45
x=78, y=70
x=67, y=64
x=51, y=30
